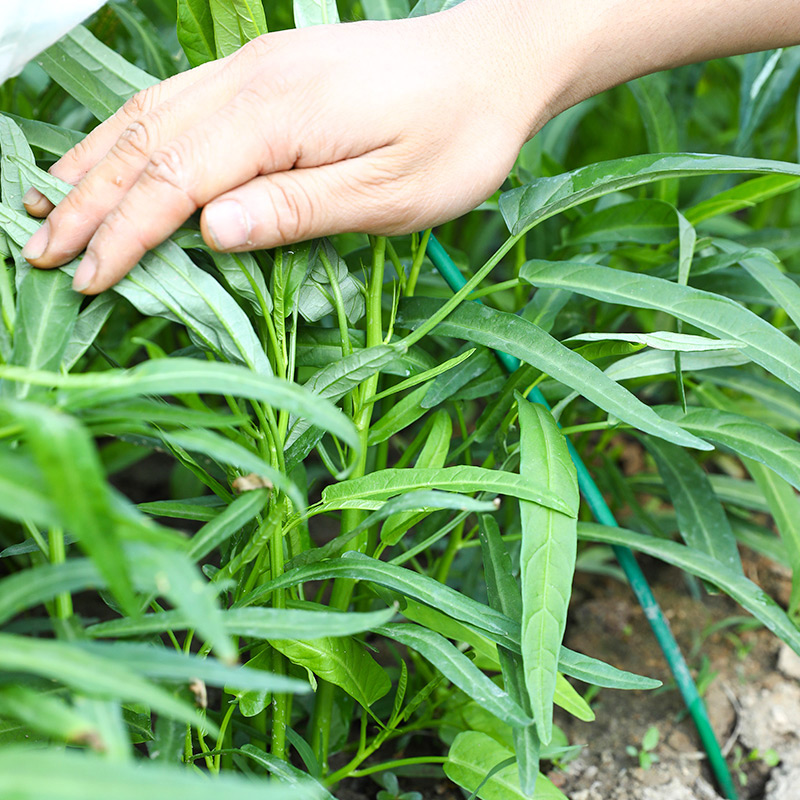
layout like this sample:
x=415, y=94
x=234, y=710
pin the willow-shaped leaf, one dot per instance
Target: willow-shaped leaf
x=744, y=436
x=745, y=195
x=504, y=596
x=258, y=623
x=701, y=517
x=236, y=22
x=743, y=591
x=55, y=775
x=661, y=340
x=784, y=505
x=713, y=313
x=224, y=525
x=492, y=624
x=96, y=76
x=196, y=31
x=473, y=761
x=511, y=334
x=459, y=670
x=528, y=205
x=378, y=486
x=640, y=221
x=88, y=325
x=342, y=662
x=547, y=557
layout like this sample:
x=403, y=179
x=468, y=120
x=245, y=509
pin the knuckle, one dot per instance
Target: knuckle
x=135, y=142
x=140, y=104
x=168, y=166
x=118, y=225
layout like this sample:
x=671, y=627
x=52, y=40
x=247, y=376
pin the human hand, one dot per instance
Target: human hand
x=382, y=128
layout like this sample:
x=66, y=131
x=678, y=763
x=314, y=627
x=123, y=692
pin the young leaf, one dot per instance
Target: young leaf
x=342, y=662
x=547, y=557
x=196, y=31
x=471, y=762
x=518, y=337
x=47, y=310
x=232, y=519
x=236, y=22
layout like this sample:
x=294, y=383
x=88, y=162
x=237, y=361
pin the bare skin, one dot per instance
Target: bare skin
x=379, y=127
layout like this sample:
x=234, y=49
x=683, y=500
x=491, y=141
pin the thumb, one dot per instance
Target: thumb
x=357, y=194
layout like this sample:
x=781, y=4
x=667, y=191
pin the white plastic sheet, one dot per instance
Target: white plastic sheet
x=29, y=26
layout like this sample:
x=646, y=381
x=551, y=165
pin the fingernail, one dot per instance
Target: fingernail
x=84, y=274
x=33, y=197
x=37, y=244
x=228, y=225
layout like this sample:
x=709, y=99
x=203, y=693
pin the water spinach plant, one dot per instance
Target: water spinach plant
x=369, y=531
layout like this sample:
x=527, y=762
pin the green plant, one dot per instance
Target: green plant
x=645, y=754
x=391, y=789
x=340, y=432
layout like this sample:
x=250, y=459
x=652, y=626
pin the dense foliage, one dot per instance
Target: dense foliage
x=363, y=505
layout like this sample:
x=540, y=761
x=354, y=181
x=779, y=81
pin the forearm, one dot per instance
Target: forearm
x=573, y=49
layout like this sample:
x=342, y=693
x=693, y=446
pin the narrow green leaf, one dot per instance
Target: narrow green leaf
x=639, y=221
x=518, y=337
x=784, y=506
x=565, y=696
x=226, y=451
x=92, y=73
x=745, y=195
x=459, y=670
x=661, y=340
x=258, y=623
x=285, y=772
x=186, y=376
x=169, y=665
x=528, y=205
x=73, y=475
x=432, y=456
x=52, y=139
x=91, y=674
x=744, y=436
x=701, y=518
x=712, y=313
x=378, y=486
x=87, y=326
x=13, y=143
x=743, y=591
x=232, y=519
x=547, y=557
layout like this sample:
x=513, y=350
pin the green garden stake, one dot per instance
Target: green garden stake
x=644, y=594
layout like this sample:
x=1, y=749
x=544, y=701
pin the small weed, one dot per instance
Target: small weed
x=645, y=753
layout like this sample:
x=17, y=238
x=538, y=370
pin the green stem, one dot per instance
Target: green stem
x=342, y=592
x=58, y=555
x=413, y=276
